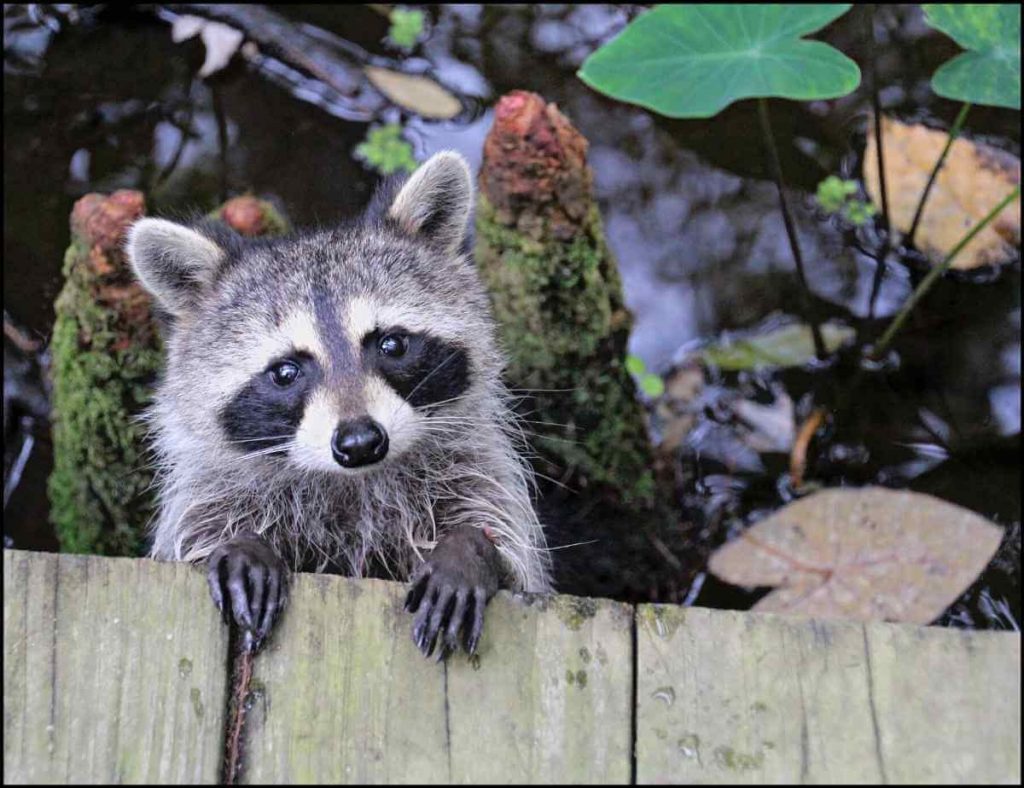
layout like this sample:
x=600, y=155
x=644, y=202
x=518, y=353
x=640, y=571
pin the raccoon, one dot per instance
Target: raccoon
x=332, y=401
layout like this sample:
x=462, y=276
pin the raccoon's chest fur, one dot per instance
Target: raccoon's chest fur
x=316, y=522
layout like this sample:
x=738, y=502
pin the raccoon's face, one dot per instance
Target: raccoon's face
x=333, y=350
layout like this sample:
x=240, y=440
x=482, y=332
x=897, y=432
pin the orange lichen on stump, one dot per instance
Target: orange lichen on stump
x=536, y=165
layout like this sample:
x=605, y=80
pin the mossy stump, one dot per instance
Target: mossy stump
x=558, y=298
x=106, y=353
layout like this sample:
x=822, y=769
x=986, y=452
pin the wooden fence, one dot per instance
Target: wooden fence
x=117, y=670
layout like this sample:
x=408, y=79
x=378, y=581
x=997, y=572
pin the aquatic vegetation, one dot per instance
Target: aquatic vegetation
x=406, y=27
x=989, y=71
x=650, y=384
x=386, y=151
x=693, y=61
x=835, y=195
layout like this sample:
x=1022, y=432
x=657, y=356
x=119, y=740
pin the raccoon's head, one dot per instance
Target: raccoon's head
x=335, y=350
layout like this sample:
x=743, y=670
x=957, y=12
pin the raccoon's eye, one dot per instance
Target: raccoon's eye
x=285, y=373
x=393, y=345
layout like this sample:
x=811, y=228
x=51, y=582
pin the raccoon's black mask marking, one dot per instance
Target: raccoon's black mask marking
x=431, y=370
x=264, y=414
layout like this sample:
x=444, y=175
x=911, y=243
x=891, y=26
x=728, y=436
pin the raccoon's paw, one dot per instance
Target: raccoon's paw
x=450, y=590
x=254, y=580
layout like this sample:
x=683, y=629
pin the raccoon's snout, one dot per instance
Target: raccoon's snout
x=360, y=442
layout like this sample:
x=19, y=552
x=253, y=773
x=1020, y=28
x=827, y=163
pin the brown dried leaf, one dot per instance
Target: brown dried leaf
x=973, y=179
x=866, y=554
x=420, y=94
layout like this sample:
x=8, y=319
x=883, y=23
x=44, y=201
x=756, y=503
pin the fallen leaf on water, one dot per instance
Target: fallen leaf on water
x=786, y=346
x=973, y=179
x=420, y=94
x=865, y=554
x=221, y=41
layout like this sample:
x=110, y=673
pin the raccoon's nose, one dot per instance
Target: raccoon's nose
x=360, y=442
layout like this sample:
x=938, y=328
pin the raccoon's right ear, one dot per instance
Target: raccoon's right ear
x=436, y=202
x=173, y=262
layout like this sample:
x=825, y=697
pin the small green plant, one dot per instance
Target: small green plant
x=652, y=385
x=386, y=151
x=406, y=27
x=836, y=195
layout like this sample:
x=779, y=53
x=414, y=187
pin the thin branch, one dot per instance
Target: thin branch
x=773, y=156
x=938, y=271
x=954, y=132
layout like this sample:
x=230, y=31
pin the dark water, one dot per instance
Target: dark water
x=110, y=102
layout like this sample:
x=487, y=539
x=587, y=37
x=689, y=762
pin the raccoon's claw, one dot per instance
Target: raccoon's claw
x=450, y=591
x=249, y=584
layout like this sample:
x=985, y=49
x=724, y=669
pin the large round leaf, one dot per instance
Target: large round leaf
x=692, y=61
x=989, y=71
x=866, y=554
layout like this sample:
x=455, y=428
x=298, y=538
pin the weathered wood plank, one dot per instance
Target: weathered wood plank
x=342, y=694
x=550, y=698
x=114, y=671
x=741, y=697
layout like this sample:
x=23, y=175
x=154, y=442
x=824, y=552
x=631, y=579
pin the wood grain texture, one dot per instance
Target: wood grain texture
x=114, y=671
x=342, y=694
x=740, y=697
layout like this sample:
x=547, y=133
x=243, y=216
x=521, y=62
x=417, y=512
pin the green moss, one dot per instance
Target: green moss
x=564, y=327
x=574, y=611
x=102, y=372
x=104, y=361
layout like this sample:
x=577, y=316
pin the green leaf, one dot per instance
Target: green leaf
x=833, y=191
x=653, y=386
x=787, y=346
x=692, y=61
x=386, y=151
x=406, y=27
x=989, y=71
x=858, y=213
x=635, y=365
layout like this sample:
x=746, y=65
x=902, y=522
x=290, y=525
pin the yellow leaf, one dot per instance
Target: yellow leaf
x=420, y=94
x=972, y=181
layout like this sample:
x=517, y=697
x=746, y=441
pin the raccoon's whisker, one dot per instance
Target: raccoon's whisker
x=286, y=446
x=444, y=402
x=262, y=438
x=546, y=391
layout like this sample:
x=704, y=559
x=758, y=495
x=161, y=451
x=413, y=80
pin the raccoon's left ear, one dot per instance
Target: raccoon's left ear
x=435, y=203
x=173, y=262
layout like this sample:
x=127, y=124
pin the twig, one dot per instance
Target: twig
x=954, y=132
x=19, y=338
x=773, y=156
x=237, y=723
x=936, y=272
x=798, y=457
x=876, y=105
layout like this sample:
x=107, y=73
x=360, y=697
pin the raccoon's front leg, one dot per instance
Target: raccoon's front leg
x=450, y=591
x=254, y=580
